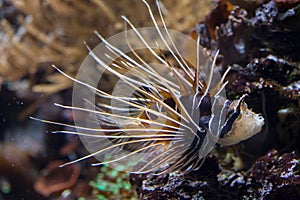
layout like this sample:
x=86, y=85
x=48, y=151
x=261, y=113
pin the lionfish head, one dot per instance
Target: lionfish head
x=241, y=124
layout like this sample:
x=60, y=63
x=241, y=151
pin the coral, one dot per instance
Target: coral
x=36, y=34
x=46, y=33
x=112, y=184
x=39, y=33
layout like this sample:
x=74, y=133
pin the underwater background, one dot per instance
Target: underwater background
x=259, y=39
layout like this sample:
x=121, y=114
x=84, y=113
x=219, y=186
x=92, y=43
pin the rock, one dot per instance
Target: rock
x=271, y=177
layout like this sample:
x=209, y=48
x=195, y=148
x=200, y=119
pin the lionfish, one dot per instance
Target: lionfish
x=163, y=116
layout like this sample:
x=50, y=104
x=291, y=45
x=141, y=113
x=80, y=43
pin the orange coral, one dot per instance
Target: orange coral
x=52, y=32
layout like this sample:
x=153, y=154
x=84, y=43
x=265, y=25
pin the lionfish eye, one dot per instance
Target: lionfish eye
x=230, y=112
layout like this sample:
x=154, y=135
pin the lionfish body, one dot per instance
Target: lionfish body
x=165, y=117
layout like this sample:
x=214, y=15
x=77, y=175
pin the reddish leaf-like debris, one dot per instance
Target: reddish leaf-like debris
x=56, y=179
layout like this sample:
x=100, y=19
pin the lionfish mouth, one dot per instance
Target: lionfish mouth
x=165, y=113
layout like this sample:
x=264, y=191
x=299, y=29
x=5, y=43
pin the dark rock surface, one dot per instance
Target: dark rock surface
x=271, y=177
